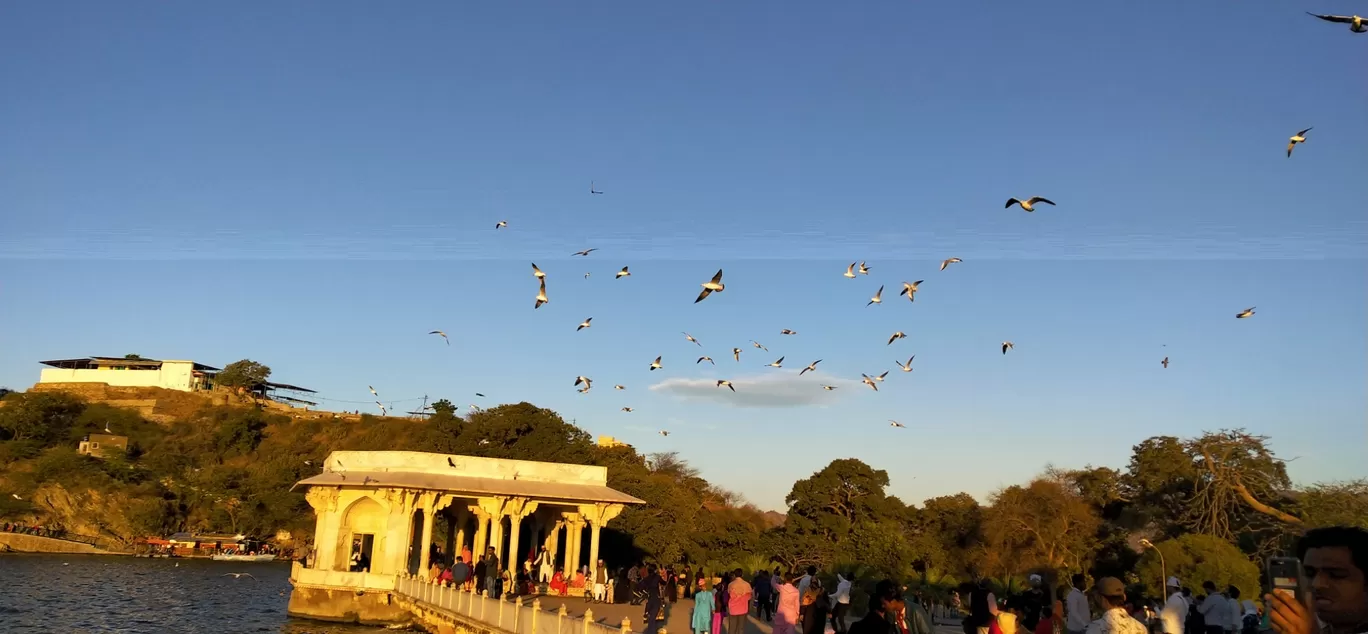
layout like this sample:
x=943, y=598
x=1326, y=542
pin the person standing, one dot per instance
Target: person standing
x=914, y=617
x=764, y=595
x=481, y=568
x=788, y=605
x=816, y=607
x=600, y=582
x=492, y=573
x=1213, y=609
x=703, y=611
x=983, y=610
x=1175, y=608
x=884, y=605
x=738, y=602
x=653, y=589
x=1110, y=595
x=460, y=572
x=1032, y=602
x=840, y=604
x=1234, y=610
x=1077, y=615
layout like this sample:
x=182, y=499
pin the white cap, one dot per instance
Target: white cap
x=1034, y=578
x=1173, y=582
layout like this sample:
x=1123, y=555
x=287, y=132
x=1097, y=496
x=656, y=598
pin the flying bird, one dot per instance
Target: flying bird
x=896, y=336
x=715, y=284
x=910, y=290
x=623, y=273
x=832, y=387
x=663, y=433
x=1164, y=363
x=451, y=463
x=736, y=353
x=1007, y=345
x=1246, y=313
x=586, y=275
x=867, y=380
x=1029, y=203
x=776, y=364
x=704, y=358
x=584, y=252
x=880, y=378
x=16, y=496
x=541, y=295
x=877, y=298
x=811, y=367
x=894, y=423
x=726, y=384
x=444, y=335
x=627, y=409
x=537, y=272
x=584, y=324
x=906, y=367
x=864, y=270
x=1292, y=142
x=619, y=387
x=759, y=345
x=850, y=270
x=948, y=262
x=691, y=338
x=592, y=190
x=1356, y=23
x=501, y=224
x=238, y=575
x=382, y=408
x=479, y=395
x=372, y=390
x=786, y=331
x=588, y=382
x=655, y=365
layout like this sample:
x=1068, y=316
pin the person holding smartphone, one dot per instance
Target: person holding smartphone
x=1334, y=561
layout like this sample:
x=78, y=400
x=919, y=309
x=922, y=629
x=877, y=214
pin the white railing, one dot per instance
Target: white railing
x=515, y=616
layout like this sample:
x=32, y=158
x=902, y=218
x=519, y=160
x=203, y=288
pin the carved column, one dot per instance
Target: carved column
x=574, y=526
x=428, y=502
x=598, y=515
x=327, y=521
x=517, y=509
x=481, y=532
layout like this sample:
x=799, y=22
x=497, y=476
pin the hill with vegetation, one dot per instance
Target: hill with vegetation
x=1214, y=504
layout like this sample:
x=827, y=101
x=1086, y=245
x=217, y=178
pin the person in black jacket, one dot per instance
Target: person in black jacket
x=886, y=601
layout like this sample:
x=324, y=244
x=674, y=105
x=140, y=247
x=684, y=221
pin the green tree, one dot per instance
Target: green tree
x=828, y=512
x=133, y=357
x=41, y=416
x=1040, y=524
x=245, y=374
x=1197, y=558
x=1159, y=481
x=443, y=407
x=1335, y=504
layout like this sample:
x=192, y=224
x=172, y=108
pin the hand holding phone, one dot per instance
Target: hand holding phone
x=1287, y=602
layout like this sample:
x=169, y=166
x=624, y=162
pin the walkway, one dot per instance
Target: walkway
x=679, y=621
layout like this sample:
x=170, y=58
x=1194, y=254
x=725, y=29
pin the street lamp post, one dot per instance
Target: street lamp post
x=1163, y=569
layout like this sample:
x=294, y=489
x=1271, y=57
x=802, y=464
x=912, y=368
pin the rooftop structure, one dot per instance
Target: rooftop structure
x=185, y=376
x=103, y=445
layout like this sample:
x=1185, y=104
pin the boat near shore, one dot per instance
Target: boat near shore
x=240, y=557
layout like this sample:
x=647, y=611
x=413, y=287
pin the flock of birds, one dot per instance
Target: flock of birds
x=716, y=285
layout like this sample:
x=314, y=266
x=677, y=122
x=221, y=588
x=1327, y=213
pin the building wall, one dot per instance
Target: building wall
x=470, y=466
x=173, y=375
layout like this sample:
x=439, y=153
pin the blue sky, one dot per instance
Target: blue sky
x=315, y=186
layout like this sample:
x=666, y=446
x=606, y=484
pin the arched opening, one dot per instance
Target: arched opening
x=415, y=549
x=362, y=535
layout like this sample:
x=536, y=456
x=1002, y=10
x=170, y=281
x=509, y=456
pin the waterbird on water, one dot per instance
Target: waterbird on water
x=236, y=575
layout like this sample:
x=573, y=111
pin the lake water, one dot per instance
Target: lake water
x=91, y=593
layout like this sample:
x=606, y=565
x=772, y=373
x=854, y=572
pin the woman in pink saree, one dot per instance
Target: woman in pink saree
x=786, y=617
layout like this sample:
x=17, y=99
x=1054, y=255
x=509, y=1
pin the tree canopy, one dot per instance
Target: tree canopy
x=245, y=374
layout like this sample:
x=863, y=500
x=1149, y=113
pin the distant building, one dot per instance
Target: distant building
x=186, y=376
x=610, y=442
x=103, y=445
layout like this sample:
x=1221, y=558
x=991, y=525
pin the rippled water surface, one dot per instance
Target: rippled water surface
x=76, y=593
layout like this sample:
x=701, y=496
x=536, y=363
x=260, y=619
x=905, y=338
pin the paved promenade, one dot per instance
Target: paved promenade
x=679, y=617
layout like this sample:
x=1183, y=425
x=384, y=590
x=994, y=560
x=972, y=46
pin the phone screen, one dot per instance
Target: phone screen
x=1285, y=576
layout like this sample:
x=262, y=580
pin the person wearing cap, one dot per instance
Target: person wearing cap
x=1109, y=594
x=600, y=582
x=1175, y=609
x=1032, y=602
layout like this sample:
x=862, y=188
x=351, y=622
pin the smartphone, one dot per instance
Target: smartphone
x=1285, y=576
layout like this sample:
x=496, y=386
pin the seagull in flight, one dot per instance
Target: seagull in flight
x=906, y=367
x=1292, y=142
x=948, y=262
x=372, y=390
x=619, y=387
x=623, y=273
x=1164, y=363
x=867, y=380
x=1029, y=203
x=541, y=295
x=1007, y=345
x=479, y=395
x=811, y=367
x=736, y=353
x=588, y=382
x=710, y=286
x=786, y=331
x=655, y=365
x=238, y=575
x=382, y=408
x=776, y=364
x=1246, y=313
x=864, y=270
x=537, y=272
x=704, y=358
x=592, y=190
x=691, y=338
x=759, y=345
x=444, y=335
x=896, y=336
x=894, y=423
x=586, y=275
x=584, y=252
x=1356, y=23
x=663, y=432
x=16, y=496
x=584, y=324
x=627, y=409
x=910, y=290
x=850, y=271
x=726, y=384
x=501, y=224
x=880, y=378
x=832, y=387
x=877, y=298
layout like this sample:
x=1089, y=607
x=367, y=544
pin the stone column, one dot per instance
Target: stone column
x=481, y=531
x=327, y=521
x=574, y=525
x=451, y=538
x=517, y=509
x=597, y=515
x=425, y=554
x=398, y=533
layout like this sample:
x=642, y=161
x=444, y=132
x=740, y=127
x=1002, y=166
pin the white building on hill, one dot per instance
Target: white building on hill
x=186, y=376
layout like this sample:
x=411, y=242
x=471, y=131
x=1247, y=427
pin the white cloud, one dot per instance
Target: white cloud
x=785, y=389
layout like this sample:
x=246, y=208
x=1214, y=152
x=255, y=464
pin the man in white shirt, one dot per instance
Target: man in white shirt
x=1076, y=608
x=1213, y=609
x=1234, y=610
x=840, y=605
x=1175, y=609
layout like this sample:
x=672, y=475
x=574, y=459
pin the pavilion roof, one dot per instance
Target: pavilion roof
x=537, y=489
